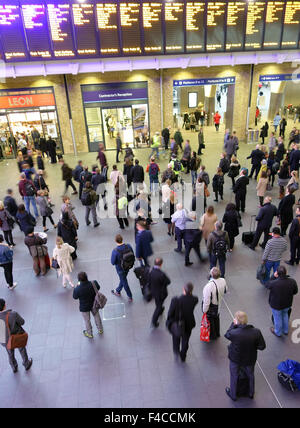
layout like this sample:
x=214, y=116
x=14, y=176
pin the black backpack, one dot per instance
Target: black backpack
x=127, y=258
x=220, y=245
x=29, y=189
x=177, y=165
x=86, y=199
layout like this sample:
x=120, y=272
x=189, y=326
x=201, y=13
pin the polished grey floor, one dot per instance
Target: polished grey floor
x=131, y=365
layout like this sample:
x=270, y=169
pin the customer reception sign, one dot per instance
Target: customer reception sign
x=120, y=94
x=212, y=81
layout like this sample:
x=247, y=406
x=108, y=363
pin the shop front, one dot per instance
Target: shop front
x=195, y=102
x=25, y=111
x=116, y=108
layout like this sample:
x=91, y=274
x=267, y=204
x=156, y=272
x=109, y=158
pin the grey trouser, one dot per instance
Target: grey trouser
x=87, y=213
x=87, y=320
x=12, y=359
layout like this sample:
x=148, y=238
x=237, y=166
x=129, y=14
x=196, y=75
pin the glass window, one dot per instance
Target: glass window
x=94, y=125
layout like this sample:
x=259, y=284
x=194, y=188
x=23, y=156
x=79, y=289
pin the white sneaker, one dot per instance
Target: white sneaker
x=13, y=286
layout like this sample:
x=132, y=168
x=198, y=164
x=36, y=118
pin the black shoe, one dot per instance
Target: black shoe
x=15, y=369
x=105, y=207
x=216, y=200
x=88, y=223
x=29, y=364
x=251, y=248
x=183, y=358
x=97, y=224
x=297, y=262
x=262, y=246
x=152, y=325
x=188, y=263
x=251, y=396
x=227, y=390
x=176, y=250
x=288, y=262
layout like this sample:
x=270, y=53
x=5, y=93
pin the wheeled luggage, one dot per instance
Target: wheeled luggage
x=142, y=274
x=247, y=237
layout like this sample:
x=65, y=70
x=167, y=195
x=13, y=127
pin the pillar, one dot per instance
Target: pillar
x=209, y=102
x=229, y=107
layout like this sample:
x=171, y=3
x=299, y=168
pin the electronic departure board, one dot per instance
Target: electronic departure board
x=85, y=31
x=44, y=30
x=107, y=20
x=255, y=25
x=152, y=25
x=61, y=29
x=273, y=25
x=130, y=27
x=215, y=26
x=12, y=32
x=195, y=34
x=174, y=27
x=291, y=28
x=235, y=28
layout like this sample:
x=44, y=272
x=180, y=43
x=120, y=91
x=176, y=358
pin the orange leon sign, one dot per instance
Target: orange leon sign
x=25, y=101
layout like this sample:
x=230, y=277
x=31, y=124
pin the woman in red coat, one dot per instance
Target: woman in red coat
x=217, y=118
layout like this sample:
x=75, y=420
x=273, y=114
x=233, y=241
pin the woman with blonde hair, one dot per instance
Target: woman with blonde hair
x=294, y=182
x=207, y=222
x=62, y=254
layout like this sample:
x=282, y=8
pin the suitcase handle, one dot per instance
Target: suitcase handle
x=251, y=221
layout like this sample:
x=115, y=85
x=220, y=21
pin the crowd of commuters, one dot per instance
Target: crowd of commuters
x=186, y=224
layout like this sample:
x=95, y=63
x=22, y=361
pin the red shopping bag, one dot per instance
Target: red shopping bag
x=205, y=329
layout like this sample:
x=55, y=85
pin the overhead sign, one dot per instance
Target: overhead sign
x=115, y=95
x=25, y=101
x=210, y=81
x=278, y=77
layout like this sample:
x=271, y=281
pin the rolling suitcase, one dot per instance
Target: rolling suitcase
x=142, y=274
x=247, y=237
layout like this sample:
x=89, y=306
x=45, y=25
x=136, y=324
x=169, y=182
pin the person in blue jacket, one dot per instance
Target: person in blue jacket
x=143, y=241
x=116, y=260
x=6, y=261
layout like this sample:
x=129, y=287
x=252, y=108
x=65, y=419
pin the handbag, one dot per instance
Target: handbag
x=205, y=329
x=213, y=310
x=178, y=327
x=55, y=264
x=48, y=211
x=100, y=300
x=287, y=381
x=261, y=273
x=15, y=340
x=206, y=192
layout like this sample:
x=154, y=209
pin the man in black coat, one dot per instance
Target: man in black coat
x=165, y=133
x=192, y=239
x=242, y=352
x=294, y=159
x=182, y=309
x=84, y=291
x=158, y=282
x=294, y=235
x=240, y=190
x=137, y=175
x=256, y=157
x=282, y=290
x=264, y=222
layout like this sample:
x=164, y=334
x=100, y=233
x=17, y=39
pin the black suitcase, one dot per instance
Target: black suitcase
x=142, y=274
x=247, y=237
x=242, y=389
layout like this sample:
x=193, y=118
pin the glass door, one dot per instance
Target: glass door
x=117, y=120
x=94, y=127
x=124, y=125
x=50, y=126
x=6, y=142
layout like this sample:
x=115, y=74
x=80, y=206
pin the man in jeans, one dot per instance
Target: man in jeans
x=15, y=322
x=282, y=290
x=214, y=250
x=28, y=191
x=274, y=250
x=6, y=261
x=116, y=260
x=84, y=291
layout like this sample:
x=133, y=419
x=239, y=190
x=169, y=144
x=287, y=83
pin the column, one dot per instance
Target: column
x=209, y=102
x=229, y=107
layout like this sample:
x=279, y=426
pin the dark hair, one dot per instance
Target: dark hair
x=2, y=304
x=264, y=174
x=276, y=230
x=230, y=207
x=281, y=271
x=9, y=191
x=137, y=161
x=188, y=288
x=88, y=185
x=30, y=230
x=291, y=190
x=21, y=208
x=271, y=155
x=1, y=238
x=82, y=276
x=65, y=216
x=158, y=261
x=119, y=239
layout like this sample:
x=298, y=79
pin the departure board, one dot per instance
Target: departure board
x=195, y=34
x=107, y=20
x=255, y=25
x=130, y=27
x=152, y=18
x=36, y=30
x=85, y=31
x=215, y=26
x=273, y=25
x=291, y=28
x=72, y=29
x=235, y=30
x=61, y=29
x=12, y=32
x=174, y=27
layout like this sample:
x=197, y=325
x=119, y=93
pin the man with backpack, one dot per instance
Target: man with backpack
x=217, y=246
x=84, y=177
x=176, y=166
x=89, y=200
x=123, y=259
x=28, y=192
x=153, y=170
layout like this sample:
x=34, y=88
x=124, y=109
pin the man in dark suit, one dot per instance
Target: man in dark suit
x=264, y=222
x=143, y=241
x=137, y=175
x=242, y=352
x=240, y=190
x=294, y=235
x=182, y=309
x=294, y=159
x=192, y=238
x=256, y=157
x=158, y=282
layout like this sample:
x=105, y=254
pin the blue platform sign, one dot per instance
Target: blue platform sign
x=212, y=81
x=278, y=77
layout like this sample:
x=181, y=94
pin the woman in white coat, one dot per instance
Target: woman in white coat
x=62, y=254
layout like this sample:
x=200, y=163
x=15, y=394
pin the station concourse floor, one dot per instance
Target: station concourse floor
x=131, y=365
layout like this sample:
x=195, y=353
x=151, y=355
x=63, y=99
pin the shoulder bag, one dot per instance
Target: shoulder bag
x=205, y=329
x=213, y=310
x=15, y=340
x=100, y=300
